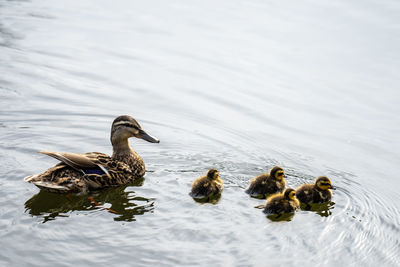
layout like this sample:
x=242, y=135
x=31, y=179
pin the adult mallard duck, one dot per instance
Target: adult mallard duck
x=82, y=172
x=207, y=186
x=315, y=193
x=266, y=184
x=282, y=202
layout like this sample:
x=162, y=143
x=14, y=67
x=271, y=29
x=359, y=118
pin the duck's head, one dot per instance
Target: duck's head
x=277, y=173
x=213, y=174
x=323, y=183
x=290, y=194
x=125, y=126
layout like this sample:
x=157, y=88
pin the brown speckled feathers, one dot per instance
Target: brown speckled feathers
x=71, y=179
x=81, y=172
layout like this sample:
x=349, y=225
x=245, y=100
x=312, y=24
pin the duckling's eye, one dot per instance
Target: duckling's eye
x=280, y=174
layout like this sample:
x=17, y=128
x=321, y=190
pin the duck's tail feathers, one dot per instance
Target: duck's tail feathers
x=30, y=178
x=48, y=186
x=51, y=187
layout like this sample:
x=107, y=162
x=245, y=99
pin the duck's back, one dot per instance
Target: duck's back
x=100, y=171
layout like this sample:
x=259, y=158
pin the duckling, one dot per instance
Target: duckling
x=207, y=186
x=315, y=193
x=265, y=184
x=94, y=170
x=282, y=202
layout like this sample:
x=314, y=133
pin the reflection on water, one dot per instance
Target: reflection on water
x=121, y=201
x=322, y=209
x=209, y=199
x=284, y=217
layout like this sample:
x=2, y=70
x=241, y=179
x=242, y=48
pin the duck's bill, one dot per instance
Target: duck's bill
x=333, y=187
x=148, y=137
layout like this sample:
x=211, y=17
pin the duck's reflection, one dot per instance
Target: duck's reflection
x=208, y=199
x=121, y=201
x=322, y=209
x=281, y=217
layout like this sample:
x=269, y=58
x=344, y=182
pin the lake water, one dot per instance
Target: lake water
x=241, y=86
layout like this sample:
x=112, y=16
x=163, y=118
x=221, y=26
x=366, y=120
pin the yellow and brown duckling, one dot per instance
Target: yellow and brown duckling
x=78, y=172
x=318, y=192
x=280, y=203
x=266, y=184
x=207, y=186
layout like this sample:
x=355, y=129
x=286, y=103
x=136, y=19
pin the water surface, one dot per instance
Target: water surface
x=240, y=86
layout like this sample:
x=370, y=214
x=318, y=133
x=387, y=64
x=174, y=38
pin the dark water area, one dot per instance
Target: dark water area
x=240, y=86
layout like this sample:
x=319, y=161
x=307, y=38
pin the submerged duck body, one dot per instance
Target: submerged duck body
x=94, y=170
x=266, y=184
x=207, y=186
x=285, y=202
x=318, y=192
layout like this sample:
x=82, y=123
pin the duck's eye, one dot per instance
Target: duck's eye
x=280, y=174
x=130, y=126
x=126, y=124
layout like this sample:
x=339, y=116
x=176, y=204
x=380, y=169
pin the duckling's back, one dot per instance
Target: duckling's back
x=276, y=204
x=203, y=187
x=305, y=193
x=279, y=204
x=263, y=185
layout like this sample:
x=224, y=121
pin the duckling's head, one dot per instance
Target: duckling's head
x=125, y=126
x=323, y=183
x=213, y=174
x=277, y=173
x=290, y=194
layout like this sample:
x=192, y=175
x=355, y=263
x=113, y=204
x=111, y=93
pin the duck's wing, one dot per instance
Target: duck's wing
x=81, y=162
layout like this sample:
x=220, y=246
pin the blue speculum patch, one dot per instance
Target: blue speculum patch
x=93, y=171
